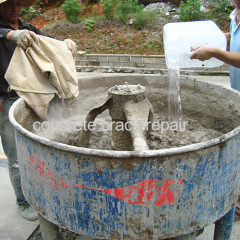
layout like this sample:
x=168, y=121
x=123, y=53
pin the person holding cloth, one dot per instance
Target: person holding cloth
x=14, y=32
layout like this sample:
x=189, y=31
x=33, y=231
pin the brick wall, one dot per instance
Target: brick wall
x=123, y=63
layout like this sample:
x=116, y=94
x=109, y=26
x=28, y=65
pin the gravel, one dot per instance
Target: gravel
x=170, y=7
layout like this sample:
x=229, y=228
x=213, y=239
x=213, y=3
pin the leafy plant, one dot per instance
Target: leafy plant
x=89, y=24
x=223, y=6
x=219, y=12
x=220, y=8
x=142, y=18
x=152, y=15
x=108, y=7
x=95, y=11
x=72, y=10
x=126, y=7
x=29, y=13
x=190, y=11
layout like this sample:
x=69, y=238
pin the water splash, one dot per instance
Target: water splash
x=174, y=98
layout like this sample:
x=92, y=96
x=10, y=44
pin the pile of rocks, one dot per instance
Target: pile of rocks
x=159, y=7
x=167, y=7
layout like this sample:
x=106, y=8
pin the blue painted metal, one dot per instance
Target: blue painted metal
x=223, y=227
x=128, y=195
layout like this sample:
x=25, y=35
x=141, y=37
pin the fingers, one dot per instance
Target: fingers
x=33, y=35
x=72, y=47
x=22, y=45
x=200, y=53
x=205, y=52
x=24, y=38
x=74, y=51
x=30, y=38
x=193, y=56
x=199, y=56
x=28, y=41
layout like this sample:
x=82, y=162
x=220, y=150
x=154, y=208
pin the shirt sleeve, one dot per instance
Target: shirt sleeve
x=4, y=32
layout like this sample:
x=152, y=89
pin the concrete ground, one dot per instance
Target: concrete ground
x=14, y=227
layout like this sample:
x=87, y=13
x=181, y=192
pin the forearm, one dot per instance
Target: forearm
x=4, y=32
x=231, y=58
x=228, y=37
x=206, y=52
x=9, y=34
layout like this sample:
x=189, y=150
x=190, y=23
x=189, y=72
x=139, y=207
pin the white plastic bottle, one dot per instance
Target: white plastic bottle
x=180, y=39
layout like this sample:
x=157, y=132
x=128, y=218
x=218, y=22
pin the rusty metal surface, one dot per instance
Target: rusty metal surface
x=145, y=199
x=126, y=195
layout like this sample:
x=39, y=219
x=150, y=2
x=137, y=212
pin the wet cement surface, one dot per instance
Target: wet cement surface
x=205, y=116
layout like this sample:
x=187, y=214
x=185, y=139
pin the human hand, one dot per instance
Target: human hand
x=72, y=46
x=24, y=38
x=202, y=53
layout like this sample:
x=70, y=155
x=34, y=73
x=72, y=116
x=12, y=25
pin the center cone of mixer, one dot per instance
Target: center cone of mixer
x=129, y=107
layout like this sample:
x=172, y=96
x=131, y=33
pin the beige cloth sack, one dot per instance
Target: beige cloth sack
x=42, y=71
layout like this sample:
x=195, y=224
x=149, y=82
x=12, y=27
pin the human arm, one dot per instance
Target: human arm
x=9, y=35
x=205, y=52
x=72, y=46
x=27, y=40
x=228, y=37
x=23, y=38
x=70, y=43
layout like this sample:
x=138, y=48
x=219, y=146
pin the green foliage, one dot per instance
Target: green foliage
x=72, y=10
x=89, y=24
x=153, y=45
x=95, y=11
x=123, y=9
x=152, y=15
x=139, y=20
x=219, y=12
x=108, y=7
x=142, y=18
x=126, y=7
x=28, y=14
x=190, y=11
x=220, y=7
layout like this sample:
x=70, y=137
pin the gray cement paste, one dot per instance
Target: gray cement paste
x=206, y=116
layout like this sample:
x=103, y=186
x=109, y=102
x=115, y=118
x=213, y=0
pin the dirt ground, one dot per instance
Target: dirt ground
x=105, y=37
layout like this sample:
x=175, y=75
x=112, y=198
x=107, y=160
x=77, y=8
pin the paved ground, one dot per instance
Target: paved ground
x=14, y=227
